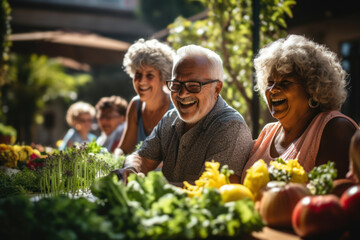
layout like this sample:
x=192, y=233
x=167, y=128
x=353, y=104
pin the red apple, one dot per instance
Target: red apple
x=340, y=186
x=318, y=216
x=350, y=201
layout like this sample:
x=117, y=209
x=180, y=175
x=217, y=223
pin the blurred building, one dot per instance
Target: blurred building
x=110, y=18
x=81, y=32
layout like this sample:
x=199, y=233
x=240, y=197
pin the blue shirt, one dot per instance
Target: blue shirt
x=141, y=130
x=73, y=136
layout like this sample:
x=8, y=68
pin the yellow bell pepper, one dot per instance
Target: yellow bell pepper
x=256, y=177
x=211, y=177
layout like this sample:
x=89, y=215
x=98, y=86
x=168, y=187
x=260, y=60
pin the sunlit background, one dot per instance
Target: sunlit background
x=79, y=45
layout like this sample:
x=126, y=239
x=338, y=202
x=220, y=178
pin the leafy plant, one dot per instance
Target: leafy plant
x=150, y=208
x=321, y=178
x=22, y=182
x=277, y=174
x=5, y=44
x=52, y=218
x=32, y=82
x=72, y=171
x=7, y=130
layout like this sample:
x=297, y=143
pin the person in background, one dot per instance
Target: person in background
x=202, y=127
x=149, y=65
x=79, y=116
x=354, y=167
x=304, y=86
x=110, y=115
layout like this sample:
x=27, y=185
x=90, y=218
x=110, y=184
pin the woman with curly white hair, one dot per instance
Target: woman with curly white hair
x=149, y=64
x=304, y=86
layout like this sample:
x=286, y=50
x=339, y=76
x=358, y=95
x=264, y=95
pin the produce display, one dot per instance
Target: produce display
x=279, y=195
x=319, y=215
x=60, y=172
x=278, y=202
x=71, y=171
x=287, y=196
x=350, y=201
x=147, y=208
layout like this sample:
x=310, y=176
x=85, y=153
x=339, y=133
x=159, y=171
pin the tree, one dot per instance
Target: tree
x=5, y=30
x=32, y=82
x=228, y=31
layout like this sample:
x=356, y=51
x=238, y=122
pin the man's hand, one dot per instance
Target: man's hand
x=118, y=152
x=123, y=173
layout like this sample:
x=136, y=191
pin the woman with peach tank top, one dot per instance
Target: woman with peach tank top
x=304, y=86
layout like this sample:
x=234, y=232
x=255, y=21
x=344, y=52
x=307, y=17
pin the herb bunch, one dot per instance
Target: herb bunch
x=321, y=178
x=72, y=171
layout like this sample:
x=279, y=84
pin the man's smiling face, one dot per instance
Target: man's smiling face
x=194, y=106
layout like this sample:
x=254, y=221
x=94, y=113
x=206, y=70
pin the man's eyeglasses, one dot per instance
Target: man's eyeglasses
x=190, y=86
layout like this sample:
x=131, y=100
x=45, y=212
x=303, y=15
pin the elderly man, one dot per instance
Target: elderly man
x=202, y=127
x=111, y=119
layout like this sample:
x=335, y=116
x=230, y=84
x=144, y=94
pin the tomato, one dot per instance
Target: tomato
x=278, y=202
x=350, y=201
x=318, y=216
x=234, y=192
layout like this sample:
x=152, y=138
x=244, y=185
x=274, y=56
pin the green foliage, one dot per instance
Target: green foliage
x=279, y=174
x=71, y=172
x=150, y=208
x=5, y=30
x=25, y=181
x=147, y=208
x=7, y=130
x=34, y=81
x=51, y=218
x=321, y=178
x=227, y=31
x=101, y=153
x=63, y=173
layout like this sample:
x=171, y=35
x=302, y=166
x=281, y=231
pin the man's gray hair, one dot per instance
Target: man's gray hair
x=214, y=60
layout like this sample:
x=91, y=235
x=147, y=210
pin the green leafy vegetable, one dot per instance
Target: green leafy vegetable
x=321, y=178
x=279, y=174
x=52, y=218
x=25, y=181
x=150, y=208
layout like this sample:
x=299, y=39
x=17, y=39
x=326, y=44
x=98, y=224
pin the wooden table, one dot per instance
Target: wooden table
x=268, y=233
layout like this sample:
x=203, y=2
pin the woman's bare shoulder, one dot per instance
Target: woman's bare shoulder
x=339, y=127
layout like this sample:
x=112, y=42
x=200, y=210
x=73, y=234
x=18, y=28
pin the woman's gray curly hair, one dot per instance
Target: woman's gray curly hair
x=150, y=53
x=314, y=64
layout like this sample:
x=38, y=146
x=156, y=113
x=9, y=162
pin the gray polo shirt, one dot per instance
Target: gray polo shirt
x=222, y=135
